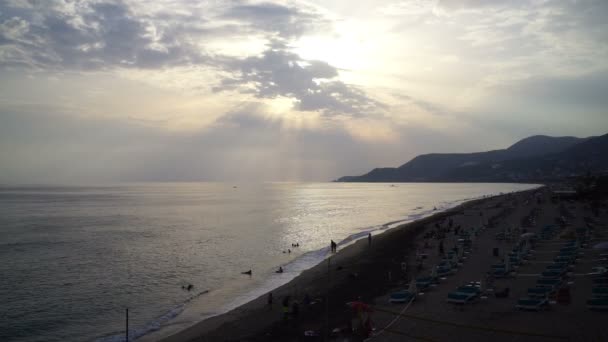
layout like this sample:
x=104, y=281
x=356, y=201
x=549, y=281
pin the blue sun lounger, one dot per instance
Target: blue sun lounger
x=558, y=267
x=424, y=283
x=552, y=274
x=460, y=298
x=553, y=284
x=534, y=304
x=599, y=292
x=539, y=292
x=444, y=271
x=500, y=273
x=447, y=264
x=464, y=294
x=401, y=297
x=473, y=290
x=515, y=261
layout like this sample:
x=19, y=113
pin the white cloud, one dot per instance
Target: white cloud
x=379, y=80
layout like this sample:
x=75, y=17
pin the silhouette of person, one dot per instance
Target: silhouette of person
x=286, y=307
x=295, y=309
x=269, y=302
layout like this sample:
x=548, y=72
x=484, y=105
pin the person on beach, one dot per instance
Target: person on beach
x=269, y=301
x=333, y=246
x=307, y=300
x=285, y=308
x=280, y=270
x=369, y=239
x=295, y=309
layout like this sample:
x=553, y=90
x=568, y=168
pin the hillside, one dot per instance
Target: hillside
x=534, y=158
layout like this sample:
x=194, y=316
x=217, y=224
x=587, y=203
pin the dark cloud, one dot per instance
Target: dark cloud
x=283, y=21
x=312, y=84
x=90, y=34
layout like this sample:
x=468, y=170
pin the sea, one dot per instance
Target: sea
x=75, y=258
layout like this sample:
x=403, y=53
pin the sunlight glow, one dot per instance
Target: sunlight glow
x=348, y=48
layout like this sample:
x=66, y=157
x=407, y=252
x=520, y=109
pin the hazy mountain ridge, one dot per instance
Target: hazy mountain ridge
x=536, y=158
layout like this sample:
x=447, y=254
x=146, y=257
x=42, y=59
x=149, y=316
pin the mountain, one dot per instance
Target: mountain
x=534, y=158
x=538, y=145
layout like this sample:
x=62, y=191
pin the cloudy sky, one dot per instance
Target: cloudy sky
x=184, y=90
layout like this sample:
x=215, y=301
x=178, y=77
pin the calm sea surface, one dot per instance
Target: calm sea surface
x=73, y=258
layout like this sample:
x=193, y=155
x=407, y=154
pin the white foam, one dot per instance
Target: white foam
x=154, y=325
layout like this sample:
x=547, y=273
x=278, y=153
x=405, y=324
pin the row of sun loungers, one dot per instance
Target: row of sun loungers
x=552, y=278
x=465, y=294
x=599, y=291
x=446, y=267
x=533, y=304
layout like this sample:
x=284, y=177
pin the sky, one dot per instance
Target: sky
x=95, y=91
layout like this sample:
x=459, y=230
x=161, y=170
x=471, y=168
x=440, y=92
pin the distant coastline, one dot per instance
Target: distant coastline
x=537, y=159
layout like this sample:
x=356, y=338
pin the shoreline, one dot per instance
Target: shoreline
x=254, y=317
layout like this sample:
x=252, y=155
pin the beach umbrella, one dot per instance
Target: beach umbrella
x=528, y=235
x=412, y=288
x=601, y=245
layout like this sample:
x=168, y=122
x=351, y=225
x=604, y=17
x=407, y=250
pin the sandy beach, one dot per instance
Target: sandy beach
x=369, y=273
